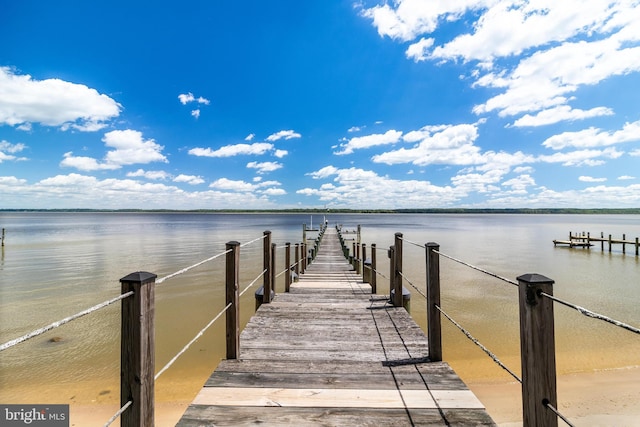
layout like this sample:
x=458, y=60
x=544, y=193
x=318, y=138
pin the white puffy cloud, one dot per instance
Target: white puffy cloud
x=264, y=167
x=274, y=192
x=232, y=185
x=8, y=151
x=582, y=157
x=195, y=113
x=85, y=163
x=186, y=98
x=52, y=102
x=256, y=148
x=585, y=178
x=437, y=145
x=131, y=148
x=368, y=141
x=559, y=114
x=154, y=175
x=283, y=134
x=280, y=153
x=593, y=137
x=365, y=189
x=189, y=179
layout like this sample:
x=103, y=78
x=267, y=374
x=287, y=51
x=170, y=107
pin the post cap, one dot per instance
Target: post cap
x=139, y=277
x=534, y=278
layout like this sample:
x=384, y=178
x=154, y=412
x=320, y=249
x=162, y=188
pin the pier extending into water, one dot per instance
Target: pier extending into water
x=331, y=349
x=329, y=352
x=583, y=240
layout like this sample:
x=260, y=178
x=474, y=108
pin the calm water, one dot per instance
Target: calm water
x=56, y=264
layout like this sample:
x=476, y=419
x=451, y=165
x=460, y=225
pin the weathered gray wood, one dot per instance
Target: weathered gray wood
x=374, y=275
x=397, y=272
x=328, y=354
x=267, y=267
x=137, y=355
x=287, y=263
x=232, y=274
x=537, y=347
x=434, y=324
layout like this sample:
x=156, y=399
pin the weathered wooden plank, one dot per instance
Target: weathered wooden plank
x=327, y=353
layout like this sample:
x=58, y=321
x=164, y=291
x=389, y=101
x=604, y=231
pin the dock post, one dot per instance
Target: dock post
x=637, y=246
x=137, y=349
x=397, y=273
x=624, y=243
x=365, y=277
x=602, y=241
x=232, y=275
x=287, y=263
x=434, y=324
x=353, y=257
x=392, y=269
x=357, y=259
x=3, y=237
x=273, y=271
x=304, y=257
x=267, y=267
x=537, y=349
x=374, y=275
x=297, y=268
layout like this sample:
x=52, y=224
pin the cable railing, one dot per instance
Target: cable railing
x=536, y=318
x=138, y=323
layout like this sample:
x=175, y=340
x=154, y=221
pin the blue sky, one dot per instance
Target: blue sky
x=344, y=104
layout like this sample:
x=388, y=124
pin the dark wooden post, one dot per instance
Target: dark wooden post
x=232, y=273
x=364, y=267
x=392, y=268
x=602, y=241
x=358, y=260
x=374, y=275
x=434, y=325
x=637, y=243
x=397, y=277
x=268, y=267
x=353, y=257
x=624, y=243
x=273, y=270
x=297, y=260
x=303, y=253
x=287, y=263
x=3, y=237
x=537, y=349
x=609, y=242
x=137, y=349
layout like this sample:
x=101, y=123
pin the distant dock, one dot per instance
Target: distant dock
x=583, y=240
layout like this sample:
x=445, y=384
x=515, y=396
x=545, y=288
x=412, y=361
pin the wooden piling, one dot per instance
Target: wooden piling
x=366, y=277
x=287, y=263
x=232, y=274
x=3, y=237
x=397, y=273
x=434, y=324
x=267, y=267
x=537, y=349
x=374, y=275
x=137, y=349
x=297, y=256
x=392, y=268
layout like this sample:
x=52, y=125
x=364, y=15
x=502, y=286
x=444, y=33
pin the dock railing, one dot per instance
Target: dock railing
x=536, y=316
x=137, y=337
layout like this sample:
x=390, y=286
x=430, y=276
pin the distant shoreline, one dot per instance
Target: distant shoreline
x=598, y=211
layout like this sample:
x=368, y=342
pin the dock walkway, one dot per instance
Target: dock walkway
x=330, y=353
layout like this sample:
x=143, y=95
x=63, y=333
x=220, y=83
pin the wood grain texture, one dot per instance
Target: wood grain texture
x=329, y=354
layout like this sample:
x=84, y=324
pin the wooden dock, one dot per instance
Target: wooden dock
x=330, y=353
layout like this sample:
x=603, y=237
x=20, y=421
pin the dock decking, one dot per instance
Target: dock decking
x=330, y=353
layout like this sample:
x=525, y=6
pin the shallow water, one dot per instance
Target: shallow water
x=56, y=264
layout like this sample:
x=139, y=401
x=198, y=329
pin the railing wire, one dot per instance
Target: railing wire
x=186, y=347
x=253, y=282
x=117, y=414
x=64, y=321
x=412, y=285
x=504, y=279
x=184, y=270
x=549, y=406
x=479, y=344
x=592, y=314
